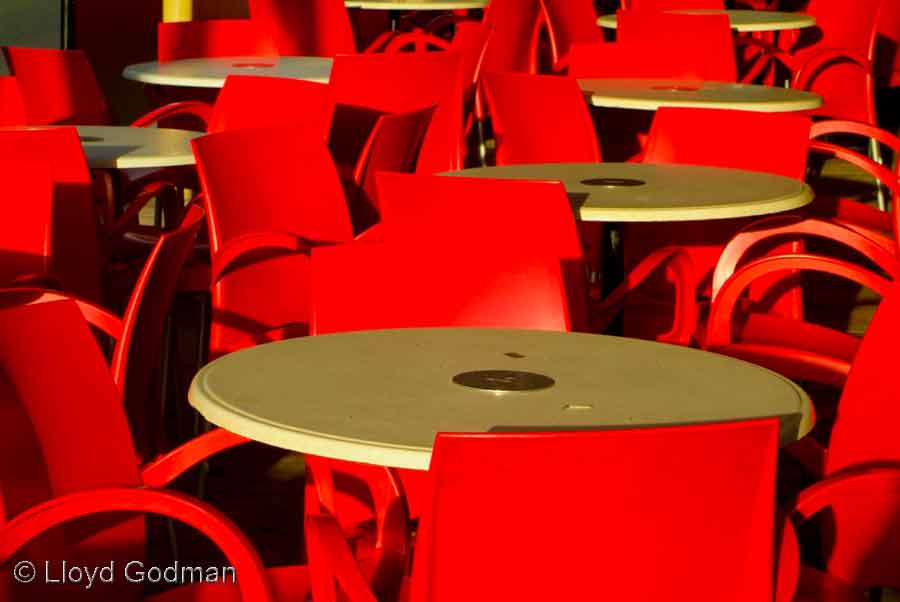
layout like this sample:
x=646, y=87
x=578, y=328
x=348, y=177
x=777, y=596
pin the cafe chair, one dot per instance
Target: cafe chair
x=569, y=22
x=12, y=111
x=367, y=85
x=887, y=46
x=711, y=539
x=51, y=232
x=76, y=419
x=270, y=194
x=309, y=28
x=661, y=5
x=210, y=38
x=138, y=332
x=59, y=87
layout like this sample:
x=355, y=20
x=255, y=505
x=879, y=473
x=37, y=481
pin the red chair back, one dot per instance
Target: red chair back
x=702, y=43
x=58, y=86
x=502, y=213
x=308, y=28
x=704, y=530
x=396, y=83
x=513, y=45
x=12, y=111
x=632, y=60
x=569, y=22
x=268, y=182
x=539, y=119
x=212, y=38
x=59, y=228
x=362, y=286
x=251, y=101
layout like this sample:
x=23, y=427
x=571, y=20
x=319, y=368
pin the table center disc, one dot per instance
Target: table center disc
x=613, y=182
x=676, y=88
x=503, y=380
x=90, y=138
x=253, y=65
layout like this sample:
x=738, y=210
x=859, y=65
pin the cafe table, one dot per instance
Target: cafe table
x=380, y=396
x=211, y=72
x=741, y=20
x=649, y=192
x=650, y=94
x=124, y=147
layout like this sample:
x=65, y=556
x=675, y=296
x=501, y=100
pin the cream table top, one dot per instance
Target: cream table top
x=211, y=72
x=647, y=192
x=124, y=147
x=415, y=4
x=741, y=20
x=650, y=94
x=380, y=396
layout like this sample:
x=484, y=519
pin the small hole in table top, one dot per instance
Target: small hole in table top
x=613, y=182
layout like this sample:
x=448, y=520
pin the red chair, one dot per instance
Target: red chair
x=516, y=24
x=309, y=28
x=137, y=334
x=569, y=22
x=53, y=219
x=396, y=83
x=270, y=194
x=393, y=145
x=12, y=111
x=887, y=46
x=521, y=105
x=416, y=285
x=711, y=538
x=59, y=87
x=212, y=38
x=661, y=5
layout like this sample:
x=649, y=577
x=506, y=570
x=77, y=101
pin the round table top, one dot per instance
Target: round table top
x=741, y=20
x=648, y=192
x=211, y=72
x=416, y=4
x=124, y=147
x=380, y=396
x=650, y=94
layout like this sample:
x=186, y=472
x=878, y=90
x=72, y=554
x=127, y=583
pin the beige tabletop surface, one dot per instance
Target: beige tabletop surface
x=741, y=20
x=650, y=94
x=416, y=4
x=380, y=396
x=124, y=147
x=211, y=72
x=647, y=192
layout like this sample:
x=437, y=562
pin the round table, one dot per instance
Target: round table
x=647, y=192
x=211, y=72
x=416, y=4
x=380, y=396
x=741, y=20
x=650, y=94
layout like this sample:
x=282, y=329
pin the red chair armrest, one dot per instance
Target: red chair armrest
x=168, y=467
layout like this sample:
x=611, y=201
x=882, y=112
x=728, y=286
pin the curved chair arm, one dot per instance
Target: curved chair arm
x=877, y=171
x=95, y=315
x=331, y=563
x=171, y=465
x=195, y=108
x=807, y=70
x=392, y=530
x=789, y=226
x=677, y=263
x=237, y=248
x=859, y=128
x=846, y=485
x=723, y=305
x=136, y=202
x=253, y=582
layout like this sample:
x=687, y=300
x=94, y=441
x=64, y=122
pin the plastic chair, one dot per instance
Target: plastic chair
x=514, y=42
x=12, y=111
x=661, y=5
x=59, y=87
x=138, y=332
x=212, y=38
x=420, y=285
x=887, y=46
x=309, y=28
x=270, y=194
x=521, y=107
x=396, y=83
x=393, y=145
x=52, y=219
x=701, y=546
x=568, y=22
